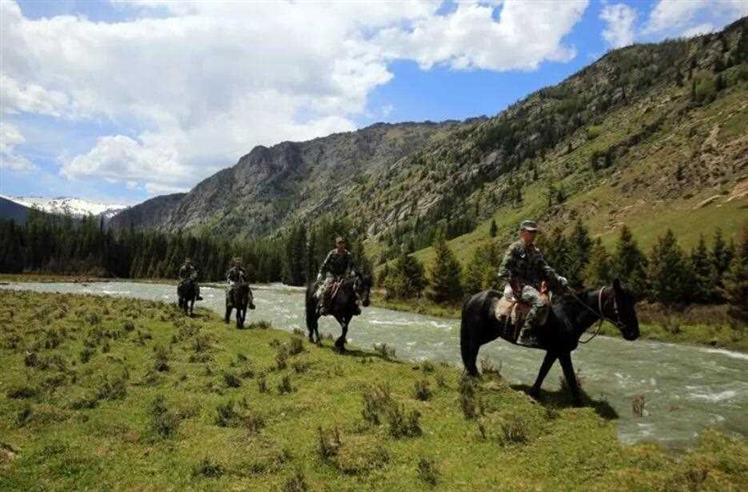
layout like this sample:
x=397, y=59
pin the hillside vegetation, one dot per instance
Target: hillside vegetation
x=105, y=393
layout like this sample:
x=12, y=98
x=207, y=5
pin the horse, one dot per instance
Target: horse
x=559, y=336
x=238, y=297
x=342, y=306
x=186, y=295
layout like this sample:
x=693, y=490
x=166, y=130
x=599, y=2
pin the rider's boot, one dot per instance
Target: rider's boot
x=528, y=334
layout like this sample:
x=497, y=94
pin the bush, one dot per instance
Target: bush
x=421, y=390
x=161, y=358
x=296, y=483
x=469, y=402
x=284, y=386
x=427, y=471
x=23, y=391
x=386, y=351
x=328, y=442
x=164, y=422
x=402, y=424
x=377, y=399
x=208, y=469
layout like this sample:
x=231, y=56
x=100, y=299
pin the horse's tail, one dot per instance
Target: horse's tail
x=469, y=344
x=311, y=309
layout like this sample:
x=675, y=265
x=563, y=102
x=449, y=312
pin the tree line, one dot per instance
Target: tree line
x=64, y=245
x=713, y=274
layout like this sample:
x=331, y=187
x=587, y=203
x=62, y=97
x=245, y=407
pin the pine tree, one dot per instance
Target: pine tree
x=668, y=271
x=599, y=269
x=493, y=230
x=629, y=263
x=579, y=245
x=736, y=280
x=444, y=274
x=406, y=278
x=701, y=290
x=721, y=257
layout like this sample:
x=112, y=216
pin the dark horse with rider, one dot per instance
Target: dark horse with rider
x=238, y=293
x=340, y=291
x=188, y=290
x=523, y=314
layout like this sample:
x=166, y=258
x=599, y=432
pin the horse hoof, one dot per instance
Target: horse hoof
x=535, y=394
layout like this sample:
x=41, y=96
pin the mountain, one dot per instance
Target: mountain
x=652, y=135
x=150, y=214
x=13, y=211
x=75, y=207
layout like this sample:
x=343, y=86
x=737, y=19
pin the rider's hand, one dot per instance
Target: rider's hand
x=319, y=277
x=563, y=281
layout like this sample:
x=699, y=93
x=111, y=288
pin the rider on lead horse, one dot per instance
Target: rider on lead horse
x=338, y=264
x=524, y=269
x=188, y=271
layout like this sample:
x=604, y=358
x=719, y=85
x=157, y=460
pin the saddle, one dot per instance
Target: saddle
x=512, y=312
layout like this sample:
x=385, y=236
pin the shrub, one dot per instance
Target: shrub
x=295, y=346
x=328, y=442
x=637, y=405
x=86, y=354
x=112, y=389
x=468, y=401
x=23, y=391
x=284, y=386
x=377, y=399
x=164, y=422
x=296, y=483
x=421, y=390
x=24, y=415
x=231, y=380
x=427, y=471
x=161, y=358
x=208, y=469
x=402, y=424
x=262, y=385
x=226, y=416
x=386, y=351
x=514, y=430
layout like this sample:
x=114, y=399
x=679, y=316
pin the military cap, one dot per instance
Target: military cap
x=528, y=225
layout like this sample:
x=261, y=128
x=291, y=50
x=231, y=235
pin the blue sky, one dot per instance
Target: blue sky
x=119, y=101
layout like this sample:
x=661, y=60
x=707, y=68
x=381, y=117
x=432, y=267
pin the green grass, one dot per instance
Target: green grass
x=164, y=402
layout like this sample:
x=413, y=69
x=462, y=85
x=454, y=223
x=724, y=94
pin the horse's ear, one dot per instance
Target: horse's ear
x=617, y=285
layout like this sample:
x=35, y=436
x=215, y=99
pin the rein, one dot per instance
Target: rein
x=599, y=313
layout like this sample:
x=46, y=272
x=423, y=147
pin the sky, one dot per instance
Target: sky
x=118, y=101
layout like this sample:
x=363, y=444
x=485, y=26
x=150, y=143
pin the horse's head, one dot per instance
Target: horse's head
x=363, y=288
x=622, y=311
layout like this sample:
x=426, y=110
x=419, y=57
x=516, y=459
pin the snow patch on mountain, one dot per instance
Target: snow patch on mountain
x=76, y=207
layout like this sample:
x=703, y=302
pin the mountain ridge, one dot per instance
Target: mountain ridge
x=645, y=123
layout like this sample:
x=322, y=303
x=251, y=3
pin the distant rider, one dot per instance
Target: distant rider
x=238, y=275
x=338, y=264
x=524, y=269
x=188, y=271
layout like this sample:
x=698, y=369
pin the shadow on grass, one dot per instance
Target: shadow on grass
x=562, y=399
x=357, y=353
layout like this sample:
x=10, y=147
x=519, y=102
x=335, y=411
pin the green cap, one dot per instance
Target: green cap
x=528, y=225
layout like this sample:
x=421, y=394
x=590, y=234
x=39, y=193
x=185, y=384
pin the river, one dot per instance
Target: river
x=686, y=388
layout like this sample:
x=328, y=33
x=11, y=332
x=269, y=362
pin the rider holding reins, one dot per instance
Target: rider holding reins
x=188, y=272
x=338, y=264
x=524, y=270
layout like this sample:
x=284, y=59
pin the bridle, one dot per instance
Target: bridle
x=600, y=313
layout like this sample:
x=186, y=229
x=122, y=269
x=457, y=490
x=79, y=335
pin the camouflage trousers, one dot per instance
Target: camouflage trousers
x=537, y=314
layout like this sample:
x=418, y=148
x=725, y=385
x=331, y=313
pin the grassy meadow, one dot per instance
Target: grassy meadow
x=119, y=394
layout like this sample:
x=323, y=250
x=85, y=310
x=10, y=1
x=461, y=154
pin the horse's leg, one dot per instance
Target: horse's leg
x=550, y=358
x=571, y=377
x=192, y=306
x=340, y=342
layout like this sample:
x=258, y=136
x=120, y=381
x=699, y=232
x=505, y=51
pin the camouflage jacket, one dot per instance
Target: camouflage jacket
x=236, y=274
x=525, y=266
x=187, y=271
x=337, y=264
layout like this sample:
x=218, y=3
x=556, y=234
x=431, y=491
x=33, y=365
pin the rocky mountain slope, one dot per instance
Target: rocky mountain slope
x=650, y=135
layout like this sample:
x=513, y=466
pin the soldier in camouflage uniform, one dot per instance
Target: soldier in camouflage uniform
x=237, y=274
x=523, y=269
x=337, y=265
x=188, y=271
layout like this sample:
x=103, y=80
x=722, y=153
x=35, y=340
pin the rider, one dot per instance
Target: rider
x=237, y=274
x=524, y=269
x=338, y=264
x=188, y=271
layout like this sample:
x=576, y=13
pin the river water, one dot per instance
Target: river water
x=686, y=388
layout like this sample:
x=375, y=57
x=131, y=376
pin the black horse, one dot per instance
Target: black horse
x=559, y=336
x=342, y=306
x=186, y=295
x=238, y=297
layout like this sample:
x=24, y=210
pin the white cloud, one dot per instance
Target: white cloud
x=10, y=159
x=700, y=29
x=676, y=17
x=619, y=20
x=197, y=84
x=525, y=35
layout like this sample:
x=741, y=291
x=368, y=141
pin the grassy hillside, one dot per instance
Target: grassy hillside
x=104, y=393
